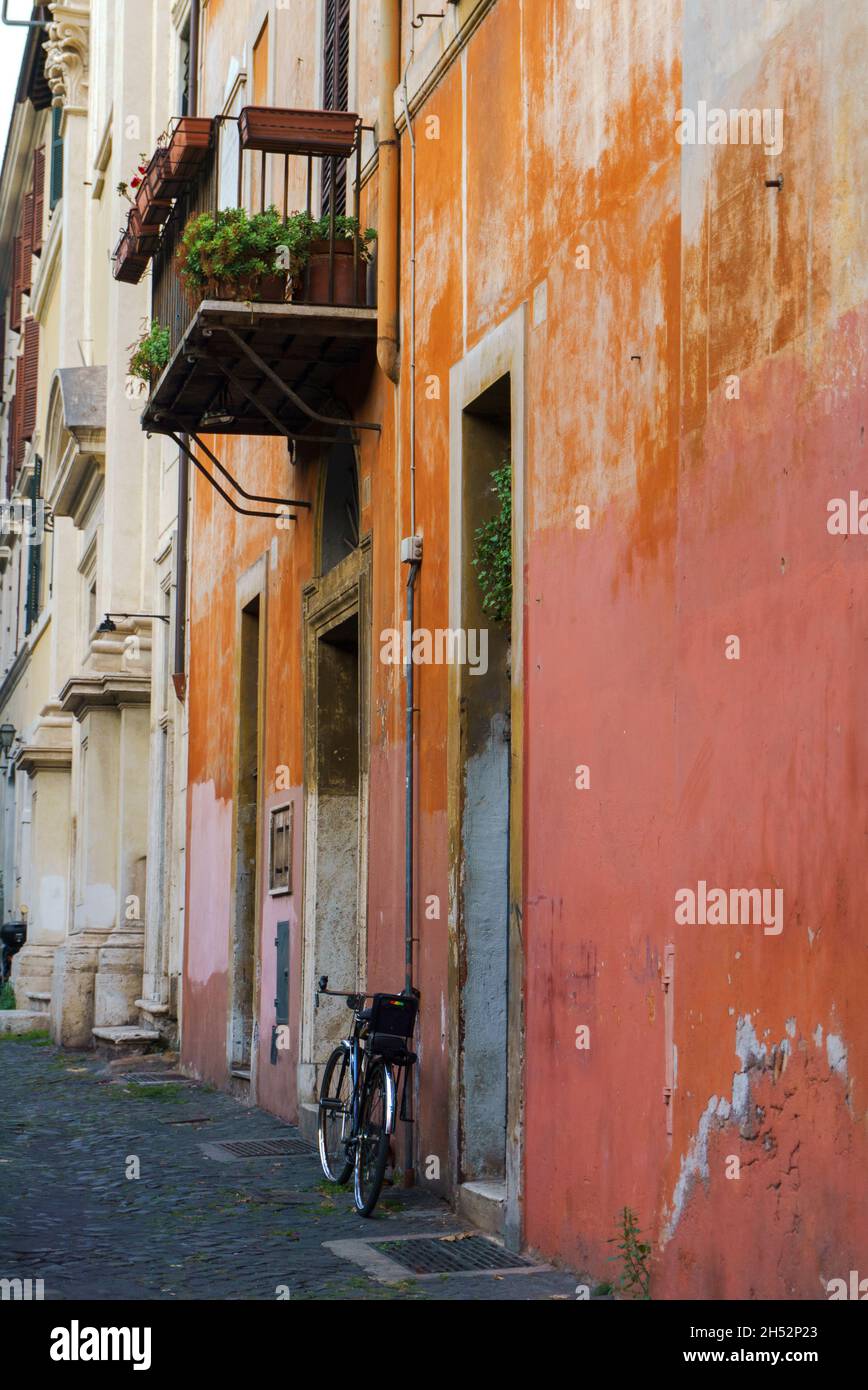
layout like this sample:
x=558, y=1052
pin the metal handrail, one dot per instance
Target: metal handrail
x=170, y=306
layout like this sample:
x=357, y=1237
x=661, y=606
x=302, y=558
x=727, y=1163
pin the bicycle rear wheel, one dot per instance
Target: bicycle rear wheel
x=372, y=1149
x=334, y=1122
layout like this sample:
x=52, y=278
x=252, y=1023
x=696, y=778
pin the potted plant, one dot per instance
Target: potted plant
x=140, y=194
x=492, y=555
x=150, y=354
x=231, y=254
x=308, y=238
x=284, y=131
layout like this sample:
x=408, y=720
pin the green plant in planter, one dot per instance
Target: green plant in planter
x=492, y=557
x=151, y=353
x=230, y=245
x=302, y=230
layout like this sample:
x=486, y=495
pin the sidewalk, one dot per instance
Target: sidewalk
x=199, y=1222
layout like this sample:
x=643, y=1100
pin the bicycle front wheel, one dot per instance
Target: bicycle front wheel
x=372, y=1149
x=334, y=1122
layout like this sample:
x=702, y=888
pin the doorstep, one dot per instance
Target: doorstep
x=109, y=1042
x=308, y=1121
x=483, y=1203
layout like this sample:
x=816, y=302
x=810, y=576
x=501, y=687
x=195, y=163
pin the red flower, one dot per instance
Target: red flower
x=134, y=183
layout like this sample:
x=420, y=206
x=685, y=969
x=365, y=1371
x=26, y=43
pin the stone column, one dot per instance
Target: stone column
x=47, y=759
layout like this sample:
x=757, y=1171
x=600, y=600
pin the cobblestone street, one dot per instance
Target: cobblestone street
x=190, y=1226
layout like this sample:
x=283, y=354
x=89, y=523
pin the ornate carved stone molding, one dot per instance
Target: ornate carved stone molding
x=66, y=54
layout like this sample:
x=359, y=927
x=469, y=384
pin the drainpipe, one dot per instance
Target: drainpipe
x=387, y=180
x=411, y=551
x=179, y=678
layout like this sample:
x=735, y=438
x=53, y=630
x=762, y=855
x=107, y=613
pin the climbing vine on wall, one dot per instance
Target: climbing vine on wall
x=492, y=558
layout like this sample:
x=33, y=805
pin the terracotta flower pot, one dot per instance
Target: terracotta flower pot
x=189, y=144
x=316, y=289
x=283, y=131
x=145, y=237
x=153, y=211
x=162, y=184
x=260, y=289
x=129, y=264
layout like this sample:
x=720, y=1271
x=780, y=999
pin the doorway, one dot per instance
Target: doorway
x=337, y=674
x=484, y=807
x=246, y=848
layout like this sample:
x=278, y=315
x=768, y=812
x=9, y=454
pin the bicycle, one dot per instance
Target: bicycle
x=357, y=1101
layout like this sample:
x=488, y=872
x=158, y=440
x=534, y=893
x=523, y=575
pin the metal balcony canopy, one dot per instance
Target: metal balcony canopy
x=261, y=369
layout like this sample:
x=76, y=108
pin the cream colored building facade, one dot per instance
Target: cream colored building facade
x=93, y=786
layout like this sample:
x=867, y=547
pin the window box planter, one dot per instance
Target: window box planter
x=152, y=210
x=189, y=143
x=313, y=286
x=161, y=183
x=280, y=131
x=129, y=265
x=134, y=250
x=260, y=289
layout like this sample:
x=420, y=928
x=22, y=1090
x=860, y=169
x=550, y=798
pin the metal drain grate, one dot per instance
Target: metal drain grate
x=446, y=1255
x=264, y=1148
x=154, y=1078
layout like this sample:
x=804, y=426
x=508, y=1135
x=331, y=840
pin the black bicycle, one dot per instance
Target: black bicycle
x=357, y=1101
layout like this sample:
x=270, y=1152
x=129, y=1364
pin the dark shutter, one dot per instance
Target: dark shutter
x=281, y=998
x=27, y=244
x=34, y=551
x=336, y=92
x=28, y=379
x=38, y=198
x=15, y=304
x=55, y=190
x=2, y=356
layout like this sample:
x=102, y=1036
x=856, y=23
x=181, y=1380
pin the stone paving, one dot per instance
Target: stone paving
x=188, y=1227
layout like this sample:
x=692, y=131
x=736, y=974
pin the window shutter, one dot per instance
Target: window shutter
x=15, y=305
x=29, y=379
x=38, y=198
x=27, y=244
x=12, y=444
x=55, y=190
x=336, y=91
x=2, y=356
x=34, y=552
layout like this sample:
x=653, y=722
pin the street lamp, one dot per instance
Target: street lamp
x=7, y=735
x=108, y=626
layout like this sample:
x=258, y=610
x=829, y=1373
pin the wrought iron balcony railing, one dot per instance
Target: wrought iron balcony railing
x=260, y=353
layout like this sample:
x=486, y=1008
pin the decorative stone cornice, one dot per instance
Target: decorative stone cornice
x=105, y=690
x=67, y=53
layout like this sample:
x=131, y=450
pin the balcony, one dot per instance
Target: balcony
x=263, y=352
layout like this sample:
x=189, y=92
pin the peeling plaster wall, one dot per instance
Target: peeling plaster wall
x=556, y=130
x=708, y=519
